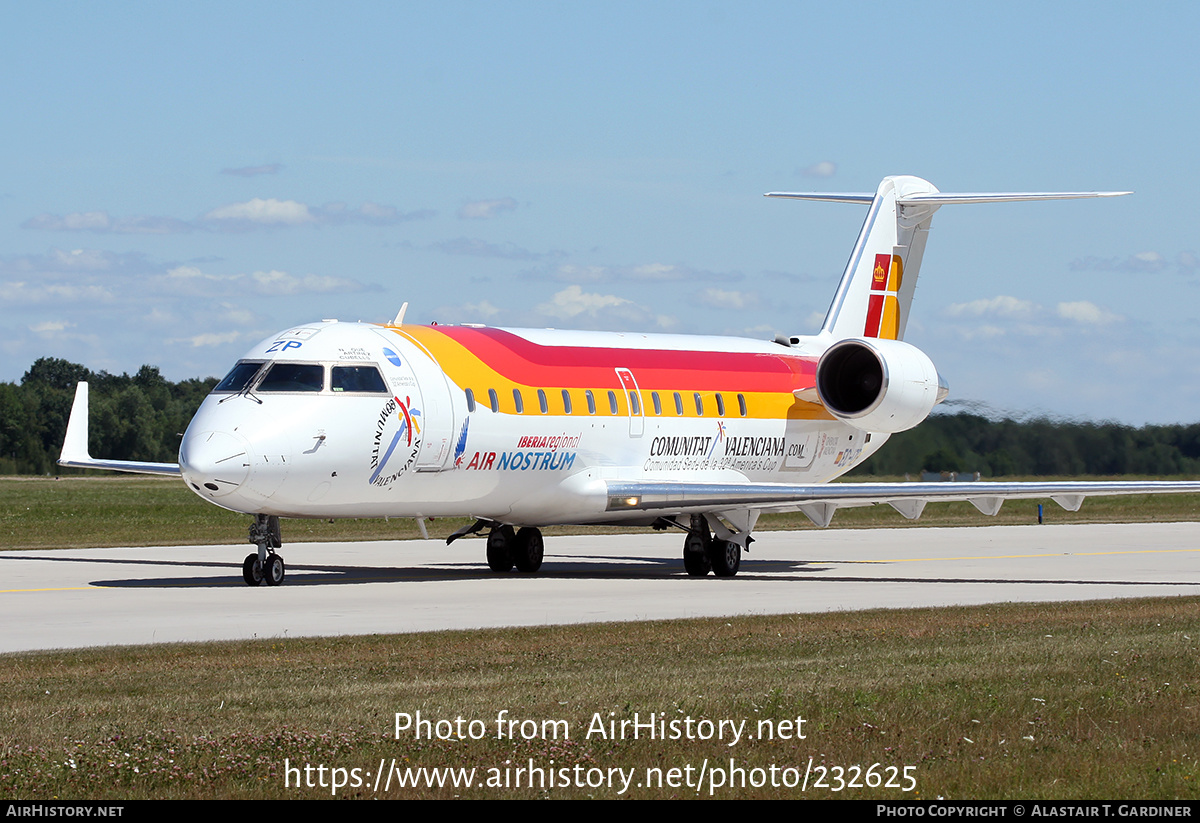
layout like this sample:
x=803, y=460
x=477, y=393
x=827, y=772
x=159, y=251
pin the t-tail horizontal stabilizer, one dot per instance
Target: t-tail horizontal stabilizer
x=75, y=445
x=876, y=290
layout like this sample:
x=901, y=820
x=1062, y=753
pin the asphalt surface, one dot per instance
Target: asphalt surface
x=122, y=596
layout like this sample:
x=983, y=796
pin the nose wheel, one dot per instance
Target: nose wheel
x=264, y=566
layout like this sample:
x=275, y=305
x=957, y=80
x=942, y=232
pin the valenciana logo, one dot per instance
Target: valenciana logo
x=397, y=441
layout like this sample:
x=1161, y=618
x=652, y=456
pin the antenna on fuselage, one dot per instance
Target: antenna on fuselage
x=399, y=321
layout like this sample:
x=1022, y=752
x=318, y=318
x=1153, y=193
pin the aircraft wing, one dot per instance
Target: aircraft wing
x=75, y=445
x=819, y=502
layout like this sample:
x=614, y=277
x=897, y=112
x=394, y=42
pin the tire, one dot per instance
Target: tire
x=695, y=559
x=499, y=549
x=252, y=571
x=528, y=550
x=726, y=557
x=273, y=570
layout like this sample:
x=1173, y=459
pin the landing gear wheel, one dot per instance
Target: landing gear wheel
x=499, y=549
x=264, y=565
x=273, y=570
x=695, y=558
x=528, y=550
x=726, y=557
x=252, y=570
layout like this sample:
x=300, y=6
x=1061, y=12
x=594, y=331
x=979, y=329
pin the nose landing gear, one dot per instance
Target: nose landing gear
x=265, y=565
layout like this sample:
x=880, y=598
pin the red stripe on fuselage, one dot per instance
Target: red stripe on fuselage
x=528, y=363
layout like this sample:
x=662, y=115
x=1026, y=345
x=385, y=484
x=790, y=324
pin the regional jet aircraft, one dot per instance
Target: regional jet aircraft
x=523, y=428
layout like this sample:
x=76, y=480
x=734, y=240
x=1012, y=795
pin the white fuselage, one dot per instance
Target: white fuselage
x=426, y=441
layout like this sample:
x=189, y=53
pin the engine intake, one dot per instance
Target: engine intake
x=879, y=385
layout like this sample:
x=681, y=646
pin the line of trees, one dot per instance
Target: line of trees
x=141, y=417
x=133, y=417
x=968, y=443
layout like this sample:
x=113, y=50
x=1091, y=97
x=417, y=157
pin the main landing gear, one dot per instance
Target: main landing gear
x=265, y=565
x=703, y=553
x=506, y=548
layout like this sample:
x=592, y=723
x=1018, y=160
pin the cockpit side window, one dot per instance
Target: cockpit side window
x=358, y=379
x=239, y=376
x=293, y=377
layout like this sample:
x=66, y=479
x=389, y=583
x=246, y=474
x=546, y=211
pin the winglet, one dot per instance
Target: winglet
x=75, y=445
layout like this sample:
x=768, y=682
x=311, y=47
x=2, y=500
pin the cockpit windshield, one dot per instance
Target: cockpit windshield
x=293, y=377
x=238, y=377
x=358, y=379
x=303, y=377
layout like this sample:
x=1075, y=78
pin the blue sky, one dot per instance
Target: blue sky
x=182, y=180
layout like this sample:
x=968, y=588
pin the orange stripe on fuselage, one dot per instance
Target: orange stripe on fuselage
x=481, y=358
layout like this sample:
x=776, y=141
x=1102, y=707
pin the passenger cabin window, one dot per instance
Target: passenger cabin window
x=566, y=401
x=720, y=404
x=612, y=401
x=357, y=379
x=293, y=377
x=495, y=400
x=742, y=405
x=518, y=402
x=699, y=404
x=591, y=401
x=239, y=377
x=470, y=400
x=635, y=407
x=657, y=402
x=545, y=406
x=678, y=404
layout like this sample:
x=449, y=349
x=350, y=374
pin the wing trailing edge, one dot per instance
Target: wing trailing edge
x=819, y=502
x=75, y=445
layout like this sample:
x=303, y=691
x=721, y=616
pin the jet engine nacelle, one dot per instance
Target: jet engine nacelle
x=878, y=385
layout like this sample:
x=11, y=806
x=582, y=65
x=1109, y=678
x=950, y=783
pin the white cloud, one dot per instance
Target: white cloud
x=1004, y=316
x=486, y=209
x=191, y=280
x=574, y=301
x=237, y=315
x=1084, y=311
x=269, y=212
x=209, y=339
x=50, y=326
x=825, y=168
x=250, y=214
x=646, y=272
x=1000, y=306
x=482, y=309
x=601, y=311
x=722, y=299
x=280, y=282
x=475, y=247
x=23, y=292
x=77, y=221
x=99, y=222
x=1141, y=263
x=374, y=214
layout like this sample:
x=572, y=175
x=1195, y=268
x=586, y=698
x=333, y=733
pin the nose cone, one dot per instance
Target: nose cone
x=214, y=463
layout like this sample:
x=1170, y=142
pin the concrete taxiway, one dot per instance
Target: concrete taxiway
x=94, y=597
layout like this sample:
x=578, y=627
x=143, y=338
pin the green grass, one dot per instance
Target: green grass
x=1049, y=701
x=1082, y=700
x=74, y=512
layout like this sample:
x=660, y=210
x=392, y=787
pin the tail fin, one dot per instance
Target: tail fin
x=876, y=290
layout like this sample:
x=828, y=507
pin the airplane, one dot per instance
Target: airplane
x=519, y=429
